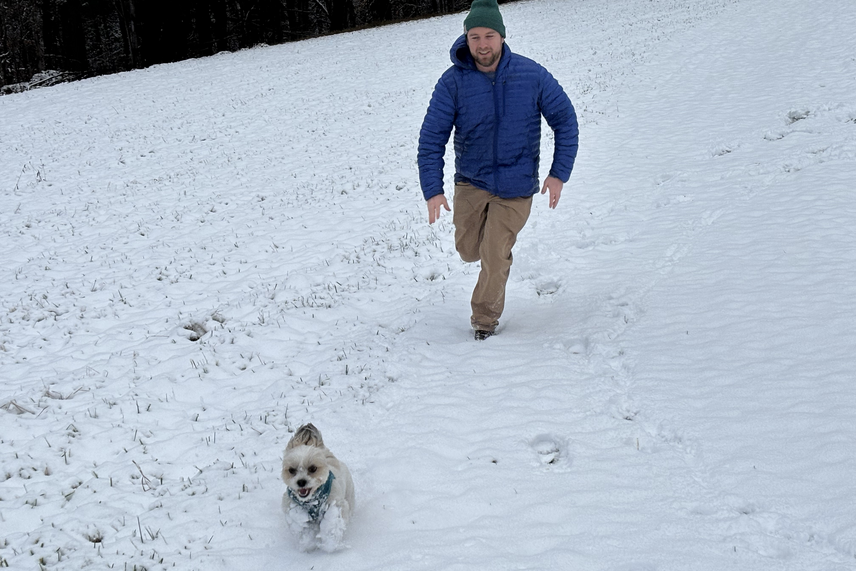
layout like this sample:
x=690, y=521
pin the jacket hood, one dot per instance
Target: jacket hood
x=461, y=56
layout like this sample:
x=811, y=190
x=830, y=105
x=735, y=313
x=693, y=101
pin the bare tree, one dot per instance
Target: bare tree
x=21, y=44
x=128, y=22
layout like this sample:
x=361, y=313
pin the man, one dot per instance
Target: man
x=494, y=100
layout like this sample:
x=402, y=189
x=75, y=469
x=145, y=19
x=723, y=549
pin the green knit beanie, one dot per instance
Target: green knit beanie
x=485, y=13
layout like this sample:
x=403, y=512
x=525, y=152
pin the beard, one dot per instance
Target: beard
x=487, y=60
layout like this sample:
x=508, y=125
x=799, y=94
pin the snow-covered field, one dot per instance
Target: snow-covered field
x=199, y=257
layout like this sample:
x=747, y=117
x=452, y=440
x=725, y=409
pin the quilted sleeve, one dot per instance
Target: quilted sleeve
x=434, y=135
x=562, y=118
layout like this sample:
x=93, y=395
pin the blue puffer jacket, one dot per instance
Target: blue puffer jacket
x=497, y=125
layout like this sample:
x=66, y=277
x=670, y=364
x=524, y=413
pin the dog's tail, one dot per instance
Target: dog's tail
x=306, y=435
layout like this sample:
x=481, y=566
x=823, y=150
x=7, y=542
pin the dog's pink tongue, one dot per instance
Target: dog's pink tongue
x=303, y=492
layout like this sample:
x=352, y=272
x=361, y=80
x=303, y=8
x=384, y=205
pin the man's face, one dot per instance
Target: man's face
x=485, y=46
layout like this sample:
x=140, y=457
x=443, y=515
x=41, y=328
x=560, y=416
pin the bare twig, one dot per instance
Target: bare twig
x=146, y=482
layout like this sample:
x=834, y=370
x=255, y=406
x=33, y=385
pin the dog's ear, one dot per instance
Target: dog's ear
x=306, y=435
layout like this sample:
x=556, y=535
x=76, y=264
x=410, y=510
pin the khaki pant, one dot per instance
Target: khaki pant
x=486, y=228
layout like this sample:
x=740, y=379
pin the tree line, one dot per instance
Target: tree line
x=80, y=38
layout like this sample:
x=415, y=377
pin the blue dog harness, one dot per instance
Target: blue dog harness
x=315, y=506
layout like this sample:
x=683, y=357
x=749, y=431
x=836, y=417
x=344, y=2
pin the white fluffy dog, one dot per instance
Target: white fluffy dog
x=320, y=494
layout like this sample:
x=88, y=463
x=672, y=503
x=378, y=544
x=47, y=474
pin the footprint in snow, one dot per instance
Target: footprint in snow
x=547, y=287
x=552, y=450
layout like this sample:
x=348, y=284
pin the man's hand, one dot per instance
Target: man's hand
x=435, y=203
x=554, y=185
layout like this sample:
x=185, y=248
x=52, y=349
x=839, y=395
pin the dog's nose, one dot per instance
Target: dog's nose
x=301, y=483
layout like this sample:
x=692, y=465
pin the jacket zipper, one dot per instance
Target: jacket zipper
x=496, y=116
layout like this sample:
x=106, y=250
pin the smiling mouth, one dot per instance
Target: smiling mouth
x=304, y=492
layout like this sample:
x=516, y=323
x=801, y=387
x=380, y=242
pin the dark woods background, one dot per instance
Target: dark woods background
x=91, y=37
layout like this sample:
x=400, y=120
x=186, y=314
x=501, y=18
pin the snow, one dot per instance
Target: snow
x=197, y=258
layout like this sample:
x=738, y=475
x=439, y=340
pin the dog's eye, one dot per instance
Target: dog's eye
x=312, y=469
x=292, y=471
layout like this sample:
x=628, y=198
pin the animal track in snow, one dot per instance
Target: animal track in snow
x=723, y=149
x=547, y=286
x=795, y=115
x=551, y=449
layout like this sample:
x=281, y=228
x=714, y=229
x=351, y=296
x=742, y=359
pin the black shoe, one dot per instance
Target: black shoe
x=482, y=334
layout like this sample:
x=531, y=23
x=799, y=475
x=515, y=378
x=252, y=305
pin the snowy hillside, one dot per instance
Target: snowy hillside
x=199, y=257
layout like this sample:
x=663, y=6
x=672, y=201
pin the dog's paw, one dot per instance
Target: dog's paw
x=300, y=526
x=332, y=530
x=307, y=538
